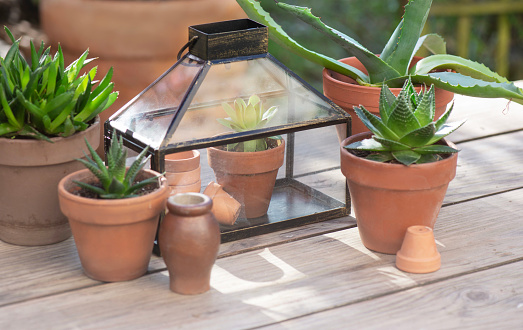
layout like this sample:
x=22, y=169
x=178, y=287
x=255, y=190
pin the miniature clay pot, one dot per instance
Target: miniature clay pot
x=389, y=198
x=418, y=253
x=182, y=161
x=224, y=207
x=183, y=178
x=179, y=189
x=114, y=237
x=346, y=93
x=189, y=240
x=182, y=170
x=29, y=172
x=249, y=177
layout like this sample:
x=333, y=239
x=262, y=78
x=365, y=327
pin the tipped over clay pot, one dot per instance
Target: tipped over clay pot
x=418, y=253
x=225, y=208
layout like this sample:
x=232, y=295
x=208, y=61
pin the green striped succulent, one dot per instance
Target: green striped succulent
x=245, y=117
x=392, y=67
x=406, y=131
x=42, y=98
x=116, y=180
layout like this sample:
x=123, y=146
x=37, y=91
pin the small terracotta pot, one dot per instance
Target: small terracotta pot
x=346, y=93
x=224, y=207
x=182, y=161
x=249, y=177
x=179, y=189
x=183, y=178
x=114, y=237
x=389, y=198
x=189, y=240
x=418, y=253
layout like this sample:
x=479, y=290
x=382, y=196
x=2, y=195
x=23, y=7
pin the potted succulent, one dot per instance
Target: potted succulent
x=113, y=212
x=398, y=177
x=354, y=81
x=248, y=170
x=47, y=110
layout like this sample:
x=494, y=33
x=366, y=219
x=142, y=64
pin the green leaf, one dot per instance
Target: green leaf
x=390, y=144
x=426, y=109
x=445, y=130
x=434, y=43
x=367, y=145
x=386, y=101
x=419, y=137
x=402, y=119
x=435, y=149
x=374, y=123
x=406, y=157
x=380, y=157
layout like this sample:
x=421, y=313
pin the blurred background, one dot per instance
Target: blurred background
x=488, y=31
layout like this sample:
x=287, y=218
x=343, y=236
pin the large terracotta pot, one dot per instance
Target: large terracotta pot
x=139, y=39
x=189, y=240
x=114, y=237
x=249, y=177
x=389, y=198
x=29, y=174
x=346, y=93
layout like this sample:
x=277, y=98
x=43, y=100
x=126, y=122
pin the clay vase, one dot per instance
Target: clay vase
x=249, y=177
x=29, y=174
x=189, y=240
x=182, y=170
x=114, y=237
x=418, y=253
x=346, y=93
x=389, y=198
x=225, y=208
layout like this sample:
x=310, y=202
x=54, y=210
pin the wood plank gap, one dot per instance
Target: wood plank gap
x=385, y=294
x=481, y=197
x=487, y=136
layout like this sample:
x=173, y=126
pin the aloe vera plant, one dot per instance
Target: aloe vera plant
x=245, y=117
x=116, y=180
x=42, y=98
x=391, y=68
x=405, y=131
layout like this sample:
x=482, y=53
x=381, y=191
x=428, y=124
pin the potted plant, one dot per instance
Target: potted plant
x=354, y=81
x=398, y=177
x=113, y=212
x=47, y=110
x=248, y=170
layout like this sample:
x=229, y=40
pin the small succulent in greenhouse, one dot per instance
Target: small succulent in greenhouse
x=245, y=117
x=42, y=98
x=406, y=131
x=116, y=181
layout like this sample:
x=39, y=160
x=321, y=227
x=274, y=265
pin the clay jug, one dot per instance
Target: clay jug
x=189, y=240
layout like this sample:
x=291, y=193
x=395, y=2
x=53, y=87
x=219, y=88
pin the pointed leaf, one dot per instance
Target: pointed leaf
x=426, y=109
x=387, y=99
x=390, y=144
x=406, y=157
x=375, y=123
x=230, y=111
x=380, y=157
x=435, y=149
x=402, y=119
x=445, y=130
x=367, y=145
x=419, y=137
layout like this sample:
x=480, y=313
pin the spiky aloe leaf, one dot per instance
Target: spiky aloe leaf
x=435, y=149
x=434, y=43
x=390, y=144
x=367, y=145
x=399, y=51
x=402, y=119
x=426, y=109
x=458, y=64
x=254, y=10
x=406, y=157
x=387, y=99
x=374, y=123
x=380, y=157
x=445, y=130
x=377, y=69
x=419, y=137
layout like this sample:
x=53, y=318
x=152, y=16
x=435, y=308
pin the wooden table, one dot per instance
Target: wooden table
x=318, y=275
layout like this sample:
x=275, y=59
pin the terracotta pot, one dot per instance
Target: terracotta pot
x=249, y=177
x=29, y=174
x=183, y=178
x=346, y=93
x=189, y=240
x=389, y=198
x=193, y=187
x=225, y=208
x=182, y=161
x=139, y=39
x=114, y=237
x=418, y=253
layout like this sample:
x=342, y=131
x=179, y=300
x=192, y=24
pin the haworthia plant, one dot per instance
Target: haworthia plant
x=391, y=68
x=42, y=98
x=405, y=131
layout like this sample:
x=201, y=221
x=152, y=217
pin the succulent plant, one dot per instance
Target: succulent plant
x=245, y=117
x=391, y=67
x=42, y=98
x=116, y=180
x=406, y=131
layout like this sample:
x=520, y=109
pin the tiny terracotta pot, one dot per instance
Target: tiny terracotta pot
x=114, y=237
x=418, y=253
x=389, y=198
x=182, y=161
x=183, y=178
x=224, y=207
x=189, y=240
x=346, y=93
x=249, y=177
x=193, y=187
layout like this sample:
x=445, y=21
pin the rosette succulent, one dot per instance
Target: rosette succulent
x=245, y=117
x=405, y=131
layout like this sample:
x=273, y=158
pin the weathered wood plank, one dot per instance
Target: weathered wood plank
x=289, y=280
x=489, y=299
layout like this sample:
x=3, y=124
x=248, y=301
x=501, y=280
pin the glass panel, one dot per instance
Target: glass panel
x=150, y=114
